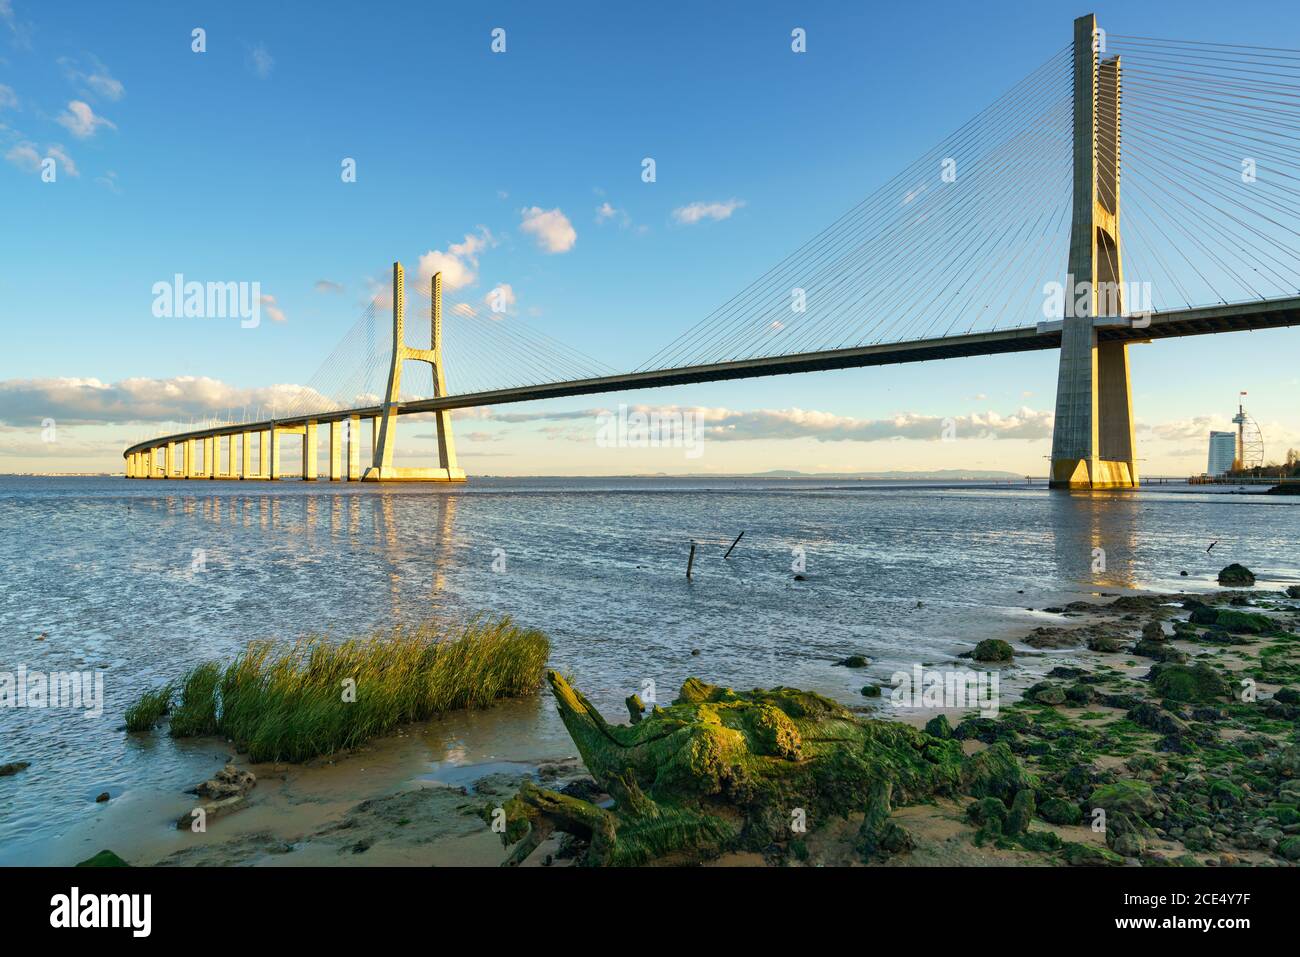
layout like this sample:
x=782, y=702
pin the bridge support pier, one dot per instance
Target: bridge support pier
x=336, y=450
x=274, y=438
x=1092, y=437
x=309, y=452
x=354, y=448
x=385, y=441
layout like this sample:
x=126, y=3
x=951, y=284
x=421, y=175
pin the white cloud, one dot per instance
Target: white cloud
x=727, y=425
x=98, y=80
x=607, y=212
x=27, y=157
x=76, y=401
x=260, y=61
x=329, y=286
x=81, y=120
x=458, y=264
x=109, y=182
x=550, y=227
x=698, y=212
x=8, y=98
x=65, y=162
x=1196, y=427
x=380, y=292
x=272, y=309
x=20, y=30
x=731, y=425
x=105, y=86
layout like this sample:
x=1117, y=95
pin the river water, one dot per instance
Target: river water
x=138, y=581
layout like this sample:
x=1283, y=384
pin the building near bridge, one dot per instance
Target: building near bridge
x=1223, y=452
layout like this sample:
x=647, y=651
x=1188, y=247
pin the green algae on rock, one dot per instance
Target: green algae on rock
x=721, y=770
x=993, y=649
x=1189, y=683
x=1236, y=576
x=1131, y=797
x=104, y=858
x=1056, y=810
x=1229, y=619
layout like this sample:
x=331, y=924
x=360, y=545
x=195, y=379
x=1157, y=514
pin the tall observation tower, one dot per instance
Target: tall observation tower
x=1250, y=440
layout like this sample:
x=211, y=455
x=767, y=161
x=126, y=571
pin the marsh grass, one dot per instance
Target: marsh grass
x=314, y=697
x=150, y=708
x=196, y=714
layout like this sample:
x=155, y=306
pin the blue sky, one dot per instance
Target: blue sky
x=225, y=165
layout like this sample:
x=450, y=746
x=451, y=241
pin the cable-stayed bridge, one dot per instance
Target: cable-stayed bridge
x=1005, y=237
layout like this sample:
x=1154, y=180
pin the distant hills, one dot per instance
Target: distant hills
x=956, y=475
x=940, y=475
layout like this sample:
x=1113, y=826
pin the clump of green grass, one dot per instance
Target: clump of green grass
x=196, y=714
x=315, y=697
x=150, y=708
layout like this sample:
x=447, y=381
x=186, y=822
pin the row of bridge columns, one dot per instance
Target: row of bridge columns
x=180, y=460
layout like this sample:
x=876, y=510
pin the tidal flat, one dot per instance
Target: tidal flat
x=1175, y=744
x=103, y=575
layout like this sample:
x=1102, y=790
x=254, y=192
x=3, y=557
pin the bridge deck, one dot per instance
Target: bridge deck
x=1268, y=314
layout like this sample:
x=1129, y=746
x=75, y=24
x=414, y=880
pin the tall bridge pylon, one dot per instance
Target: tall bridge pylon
x=381, y=467
x=1092, y=437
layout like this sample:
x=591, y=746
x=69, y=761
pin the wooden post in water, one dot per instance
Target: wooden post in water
x=734, y=544
x=690, y=562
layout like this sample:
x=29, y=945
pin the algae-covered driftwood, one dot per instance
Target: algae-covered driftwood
x=719, y=770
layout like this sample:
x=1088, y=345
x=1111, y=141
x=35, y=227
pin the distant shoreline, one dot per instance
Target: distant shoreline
x=951, y=475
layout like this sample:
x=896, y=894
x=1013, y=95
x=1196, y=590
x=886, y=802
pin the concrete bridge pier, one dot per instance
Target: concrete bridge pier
x=336, y=451
x=1092, y=437
x=354, y=448
x=309, y=452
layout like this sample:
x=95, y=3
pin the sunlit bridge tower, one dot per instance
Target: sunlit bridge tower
x=1092, y=439
x=382, y=468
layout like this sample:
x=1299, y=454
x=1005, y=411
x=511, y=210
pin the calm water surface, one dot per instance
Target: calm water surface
x=141, y=580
